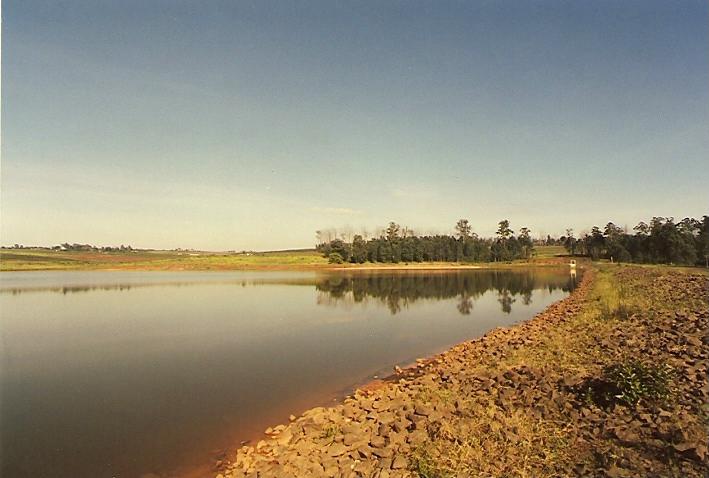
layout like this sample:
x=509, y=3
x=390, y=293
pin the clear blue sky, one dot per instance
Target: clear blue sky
x=249, y=125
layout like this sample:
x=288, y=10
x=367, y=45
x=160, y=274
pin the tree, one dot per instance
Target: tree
x=392, y=231
x=393, y=246
x=642, y=229
x=504, y=231
x=463, y=229
x=340, y=248
x=671, y=245
x=505, y=245
x=570, y=242
x=525, y=242
x=595, y=243
x=660, y=241
x=615, y=243
x=702, y=241
x=359, y=249
x=335, y=258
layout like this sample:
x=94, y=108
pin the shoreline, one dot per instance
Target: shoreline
x=368, y=267
x=30, y=259
x=391, y=426
x=409, y=370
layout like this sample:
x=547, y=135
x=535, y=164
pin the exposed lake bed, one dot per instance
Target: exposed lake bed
x=141, y=372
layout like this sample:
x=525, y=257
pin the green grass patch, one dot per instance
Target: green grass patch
x=544, y=252
x=42, y=259
x=425, y=464
x=632, y=380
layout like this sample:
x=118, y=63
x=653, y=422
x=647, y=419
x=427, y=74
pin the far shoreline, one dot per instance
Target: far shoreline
x=35, y=259
x=304, y=268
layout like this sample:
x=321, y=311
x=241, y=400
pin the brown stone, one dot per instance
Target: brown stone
x=377, y=442
x=399, y=462
x=336, y=449
x=382, y=452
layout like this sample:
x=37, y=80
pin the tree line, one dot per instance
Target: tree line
x=91, y=248
x=396, y=244
x=662, y=241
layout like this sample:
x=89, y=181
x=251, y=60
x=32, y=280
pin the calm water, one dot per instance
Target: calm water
x=118, y=374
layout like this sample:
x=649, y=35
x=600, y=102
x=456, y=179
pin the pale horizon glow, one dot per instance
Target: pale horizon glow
x=250, y=125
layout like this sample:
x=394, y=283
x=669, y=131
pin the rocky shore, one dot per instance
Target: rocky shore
x=612, y=381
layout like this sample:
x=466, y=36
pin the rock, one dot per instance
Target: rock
x=399, y=462
x=284, y=437
x=615, y=472
x=387, y=418
x=377, y=442
x=350, y=439
x=382, y=452
x=683, y=446
x=336, y=449
x=422, y=409
x=401, y=425
x=364, y=451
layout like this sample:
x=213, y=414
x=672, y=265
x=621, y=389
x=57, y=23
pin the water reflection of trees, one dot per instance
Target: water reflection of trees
x=69, y=289
x=66, y=289
x=398, y=291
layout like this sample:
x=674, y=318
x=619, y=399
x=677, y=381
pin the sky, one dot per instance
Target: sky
x=249, y=125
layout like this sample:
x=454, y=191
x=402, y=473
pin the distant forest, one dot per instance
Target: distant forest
x=662, y=241
x=397, y=244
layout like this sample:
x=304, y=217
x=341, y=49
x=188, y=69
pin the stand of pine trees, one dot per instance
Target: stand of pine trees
x=396, y=246
x=663, y=241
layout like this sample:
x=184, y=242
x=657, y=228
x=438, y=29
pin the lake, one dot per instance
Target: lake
x=121, y=374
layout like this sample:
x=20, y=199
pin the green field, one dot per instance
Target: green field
x=44, y=259
x=544, y=252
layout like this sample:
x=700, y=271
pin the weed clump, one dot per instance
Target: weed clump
x=331, y=431
x=425, y=465
x=616, y=302
x=632, y=380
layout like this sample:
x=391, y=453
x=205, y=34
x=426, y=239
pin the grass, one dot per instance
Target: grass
x=546, y=252
x=580, y=355
x=425, y=464
x=537, y=447
x=524, y=445
x=331, y=431
x=42, y=259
